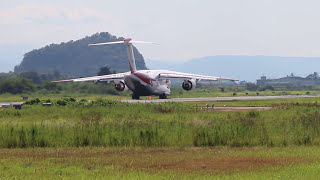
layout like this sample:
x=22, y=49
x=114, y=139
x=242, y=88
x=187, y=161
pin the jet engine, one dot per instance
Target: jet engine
x=189, y=84
x=120, y=86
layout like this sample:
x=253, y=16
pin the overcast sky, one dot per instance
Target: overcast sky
x=185, y=29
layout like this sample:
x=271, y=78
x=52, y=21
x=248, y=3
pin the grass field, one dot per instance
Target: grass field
x=157, y=125
x=113, y=140
x=161, y=163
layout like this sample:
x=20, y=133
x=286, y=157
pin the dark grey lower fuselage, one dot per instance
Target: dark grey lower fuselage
x=142, y=86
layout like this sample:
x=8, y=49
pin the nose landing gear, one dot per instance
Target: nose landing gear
x=163, y=96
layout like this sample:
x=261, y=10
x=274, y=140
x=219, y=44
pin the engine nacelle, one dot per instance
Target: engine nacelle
x=120, y=86
x=188, y=85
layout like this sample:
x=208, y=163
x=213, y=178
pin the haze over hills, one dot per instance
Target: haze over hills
x=76, y=58
x=11, y=55
x=249, y=68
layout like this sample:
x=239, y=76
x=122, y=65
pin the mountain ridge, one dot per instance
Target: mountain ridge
x=242, y=67
x=76, y=58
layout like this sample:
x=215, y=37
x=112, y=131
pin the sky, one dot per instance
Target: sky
x=185, y=29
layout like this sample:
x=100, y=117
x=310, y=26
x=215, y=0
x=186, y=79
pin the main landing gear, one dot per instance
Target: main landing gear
x=135, y=97
x=163, y=96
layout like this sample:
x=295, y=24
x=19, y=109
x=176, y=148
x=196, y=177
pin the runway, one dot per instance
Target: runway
x=239, y=98
x=207, y=99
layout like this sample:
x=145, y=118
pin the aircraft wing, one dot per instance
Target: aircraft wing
x=110, y=77
x=184, y=76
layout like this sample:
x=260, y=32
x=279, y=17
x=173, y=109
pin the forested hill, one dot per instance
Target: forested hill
x=76, y=58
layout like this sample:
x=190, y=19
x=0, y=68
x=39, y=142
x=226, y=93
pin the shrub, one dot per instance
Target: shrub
x=33, y=101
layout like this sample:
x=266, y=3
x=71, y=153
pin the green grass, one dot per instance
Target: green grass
x=161, y=163
x=157, y=125
x=254, y=103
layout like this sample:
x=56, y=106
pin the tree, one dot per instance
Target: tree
x=251, y=87
x=56, y=74
x=34, y=76
x=268, y=87
x=104, y=71
x=16, y=85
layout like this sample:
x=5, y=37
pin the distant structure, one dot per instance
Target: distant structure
x=242, y=83
x=216, y=83
x=290, y=80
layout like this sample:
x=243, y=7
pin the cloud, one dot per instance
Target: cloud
x=48, y=13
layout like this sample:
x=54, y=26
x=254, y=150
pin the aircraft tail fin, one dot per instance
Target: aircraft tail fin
x=128, y=42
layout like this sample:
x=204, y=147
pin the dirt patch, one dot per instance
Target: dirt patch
x=152, y=159
x=225, y=164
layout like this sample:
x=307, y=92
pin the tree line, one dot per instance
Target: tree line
x=33, y=82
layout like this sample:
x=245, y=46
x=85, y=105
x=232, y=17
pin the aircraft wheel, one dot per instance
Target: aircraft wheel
x=135, y=96
x=163, y=96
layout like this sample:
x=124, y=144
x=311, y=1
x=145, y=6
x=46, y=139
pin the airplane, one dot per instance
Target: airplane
x=145, y=82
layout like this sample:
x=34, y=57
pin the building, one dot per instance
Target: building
x=288, y=81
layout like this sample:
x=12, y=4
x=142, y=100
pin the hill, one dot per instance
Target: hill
x=249, y=68
x=75, y=58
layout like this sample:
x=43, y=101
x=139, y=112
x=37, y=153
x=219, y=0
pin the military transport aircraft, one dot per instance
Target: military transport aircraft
x=145, y=82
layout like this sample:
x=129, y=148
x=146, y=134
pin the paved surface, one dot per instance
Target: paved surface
x=222, y=98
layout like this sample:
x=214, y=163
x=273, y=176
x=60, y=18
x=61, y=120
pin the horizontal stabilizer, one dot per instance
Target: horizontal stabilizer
x=126, y=41
x=106, y=43
x=143, y=42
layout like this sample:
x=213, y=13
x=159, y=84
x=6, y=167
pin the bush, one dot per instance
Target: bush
x=33, y=101
x=62, y=102
x=264, y=88
x=104, y=102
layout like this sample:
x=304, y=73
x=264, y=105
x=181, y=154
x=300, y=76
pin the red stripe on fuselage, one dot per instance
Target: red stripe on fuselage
x=145, y=78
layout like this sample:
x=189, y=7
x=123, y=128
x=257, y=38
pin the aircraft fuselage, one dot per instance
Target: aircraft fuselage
x=146, y=83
